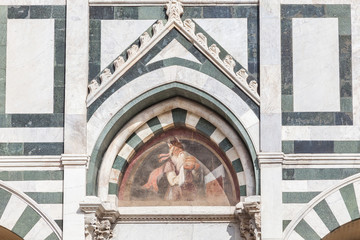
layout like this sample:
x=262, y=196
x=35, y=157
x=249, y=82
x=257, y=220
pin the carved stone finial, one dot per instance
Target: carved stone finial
x=174, y=10
x=119, y=62
x=132, y=51
x=157, y=27
x=242, y=75
x=214, y=50
x=106, y=75
x=189, y=26
x=144, y=38
x=229, y=62
x=201, y=39
x=253, y=86
x=250, y=219
x=93, y=86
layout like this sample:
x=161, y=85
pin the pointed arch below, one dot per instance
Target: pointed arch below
x=115, y=111
x=331, y=209
x=22, y=216
x=120, y=150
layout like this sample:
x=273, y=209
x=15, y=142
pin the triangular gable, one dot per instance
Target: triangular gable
x=188, y=30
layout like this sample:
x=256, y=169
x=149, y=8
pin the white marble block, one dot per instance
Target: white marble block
x=30, y=66
x=117, y=35
x=316, y=81
x=231, y=34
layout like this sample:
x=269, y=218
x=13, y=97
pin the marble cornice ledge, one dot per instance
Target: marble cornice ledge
x=270, y=157
x=162, y=2
x=30, y=161
x=102, y=210
x=73, y=160
x=344, y=159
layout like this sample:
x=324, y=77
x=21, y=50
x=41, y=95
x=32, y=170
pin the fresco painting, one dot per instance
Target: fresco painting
x=177, y=170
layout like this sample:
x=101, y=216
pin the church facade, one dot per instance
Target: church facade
x=179, y=119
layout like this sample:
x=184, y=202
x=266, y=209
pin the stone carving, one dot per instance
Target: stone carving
x=119, y=62
x=174, y=10
x=189, y=26
x=250, y=219
x=242, y=74
x=97, y=230
x=201, y=39
x=229, y=62
x=157, y=27
x=214, y=50
x=144, y=38
x=90, y=227
x=253, y=86
x=132, y=51
x=105, y=76
x=93, y=86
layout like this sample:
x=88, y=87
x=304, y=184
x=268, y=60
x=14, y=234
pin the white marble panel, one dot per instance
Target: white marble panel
x=166, y=120
x=232, y=154
x=55, y=211
x=291, y=210
x=31, y=134
x=241, y=178
x=14, y=208
x=174, y=49
x=117, y=35
x=126, y=151
x=337, y=133
x=41, y=230
x=338, y=207
x=114, y=175
x=203, y=231
x=308, y=185
x=191, y=120
x=217, y=136
x=295, y=236
x=357, y=192
x=30, y=66
x=231, y=34
x=316, y=65
x=37, y=186
x=316, y=223
x=145, y=133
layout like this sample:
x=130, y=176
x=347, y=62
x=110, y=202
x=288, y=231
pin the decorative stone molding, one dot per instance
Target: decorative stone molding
x=174, y=10
x=162, y=2
x=74, y=160
x=99, y=218
x=250, y=220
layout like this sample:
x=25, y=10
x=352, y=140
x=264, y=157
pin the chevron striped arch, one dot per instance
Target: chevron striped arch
x=328, y=211
x=22, y=216
x=187, y=114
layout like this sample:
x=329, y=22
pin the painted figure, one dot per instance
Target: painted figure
x=182, y=171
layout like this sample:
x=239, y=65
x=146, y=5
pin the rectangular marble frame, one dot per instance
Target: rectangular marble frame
x=56, y=12
x=98, y=13
x=56, y=119
x=317, y=146
x=343, y=13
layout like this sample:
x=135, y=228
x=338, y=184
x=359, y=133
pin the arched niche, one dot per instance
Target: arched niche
x=8, y=235
x=169, y=114
x=349, y=231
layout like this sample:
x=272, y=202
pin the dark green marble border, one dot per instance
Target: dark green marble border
x=31, y=175
x=321, y=146
x=98, y=13
x=27, y=149
x=36, y=120
x=343, y=13
x=141, y=67
x=298, y=197
x=318, y=173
